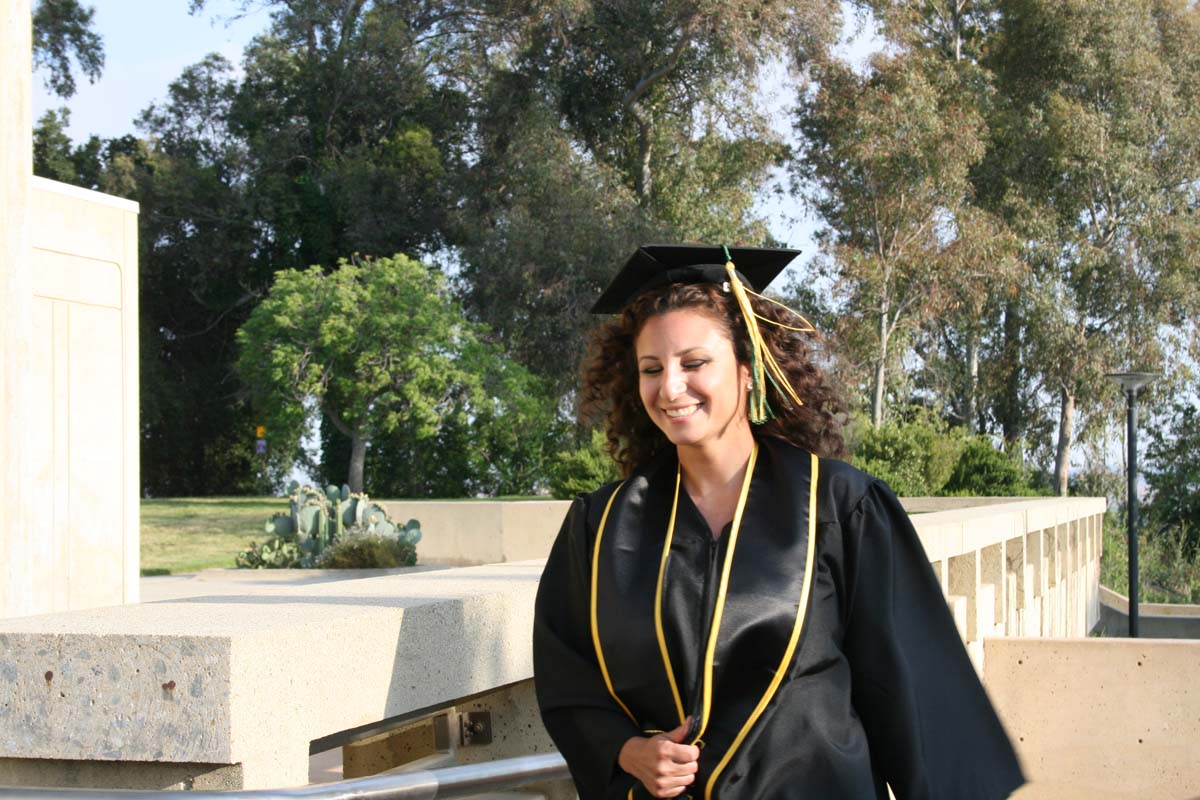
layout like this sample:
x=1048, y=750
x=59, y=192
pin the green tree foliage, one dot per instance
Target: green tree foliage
x=339, y=137
x=914, y=456
x=609, y=123
x=984, y=471
x=539, y=233
x=584, y=469
x=381, y=351
x=62, y=33
x=1173, y=476
x=1095, y=160
x=887, y=155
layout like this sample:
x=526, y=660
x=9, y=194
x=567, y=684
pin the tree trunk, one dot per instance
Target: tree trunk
x=1010, y=421
x=1066, y=431
x=644, y=183
x=880, y=370
x=971, y=412
x=358, y=459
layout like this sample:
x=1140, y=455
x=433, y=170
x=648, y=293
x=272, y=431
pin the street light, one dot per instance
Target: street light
x=1130, y=383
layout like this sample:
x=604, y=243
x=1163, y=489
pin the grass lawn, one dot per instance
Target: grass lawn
x=188, y=534
x=193, y=533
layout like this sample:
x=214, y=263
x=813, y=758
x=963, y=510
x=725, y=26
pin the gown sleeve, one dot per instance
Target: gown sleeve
x=585, y=723
x=932, y=731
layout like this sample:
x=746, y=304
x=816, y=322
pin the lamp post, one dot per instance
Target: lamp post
x=1130, y=383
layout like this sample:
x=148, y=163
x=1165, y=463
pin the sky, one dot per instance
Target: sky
x=146, y=46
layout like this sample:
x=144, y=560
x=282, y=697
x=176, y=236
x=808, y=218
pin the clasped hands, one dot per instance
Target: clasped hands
x=661, y=762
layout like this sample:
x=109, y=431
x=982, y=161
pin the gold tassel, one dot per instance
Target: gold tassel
x=763, y=365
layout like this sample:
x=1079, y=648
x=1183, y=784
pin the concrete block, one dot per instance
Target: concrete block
x=964, y=582
x=161, y=776
x=1117, y=715
x=463, y=533
x=217, y=679
x=83, y=378
x=958, y=610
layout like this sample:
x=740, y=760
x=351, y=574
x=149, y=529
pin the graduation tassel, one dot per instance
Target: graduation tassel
x=763, y=366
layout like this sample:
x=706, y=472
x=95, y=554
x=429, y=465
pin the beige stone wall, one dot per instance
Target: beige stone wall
x=17, y=573
x=83, y=377
x=68, y=371
x=1106, y=715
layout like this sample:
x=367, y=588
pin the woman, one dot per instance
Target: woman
x=744, y=616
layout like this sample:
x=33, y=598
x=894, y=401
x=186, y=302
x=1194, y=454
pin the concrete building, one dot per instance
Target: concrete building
x=68, y=372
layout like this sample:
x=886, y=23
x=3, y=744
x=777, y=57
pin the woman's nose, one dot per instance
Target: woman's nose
x=675, y=384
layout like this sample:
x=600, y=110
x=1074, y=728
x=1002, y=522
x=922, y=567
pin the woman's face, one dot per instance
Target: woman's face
x=690, y=381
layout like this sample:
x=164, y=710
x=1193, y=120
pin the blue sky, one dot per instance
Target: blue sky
x=146, y=45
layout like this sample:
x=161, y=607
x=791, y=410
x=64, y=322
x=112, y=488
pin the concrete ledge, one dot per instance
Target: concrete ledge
x=1155, y=620
x=1109, y=715
x=252, y=679
x=462, y=533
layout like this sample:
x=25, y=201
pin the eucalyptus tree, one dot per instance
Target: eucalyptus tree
x=888, y=155
x=1097, y=161
x=607, y=123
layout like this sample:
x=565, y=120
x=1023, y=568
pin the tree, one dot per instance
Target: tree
x=631, y=78
x=335, y=140
x=1173, y=475
x=540, y=233
x=62, y=32
x=376, y=347
x=1096, y=156
x=887, y=156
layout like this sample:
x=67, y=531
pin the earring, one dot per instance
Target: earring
x=750, y=386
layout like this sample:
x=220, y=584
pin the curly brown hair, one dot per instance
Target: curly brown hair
x=610, y=378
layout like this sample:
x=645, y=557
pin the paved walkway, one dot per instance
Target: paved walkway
x=254, y=581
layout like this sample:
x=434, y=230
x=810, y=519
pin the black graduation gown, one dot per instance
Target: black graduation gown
x=870, y=686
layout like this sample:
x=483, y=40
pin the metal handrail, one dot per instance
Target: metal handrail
x=445, y=783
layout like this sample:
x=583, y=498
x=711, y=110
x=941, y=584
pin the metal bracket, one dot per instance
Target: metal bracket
x=475, y=727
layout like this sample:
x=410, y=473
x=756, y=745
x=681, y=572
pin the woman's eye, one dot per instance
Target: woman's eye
x=651, y=370
x=694, y=364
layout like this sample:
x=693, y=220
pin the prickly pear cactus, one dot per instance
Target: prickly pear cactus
x=318, y=520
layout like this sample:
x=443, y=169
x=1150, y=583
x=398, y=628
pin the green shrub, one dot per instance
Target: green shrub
x=1165, y=572
x=584, y=469
x=915, y=456
x=275, y=553
x=367, y=551
x=984, y=471
x=1173, y=476
x=320, y=520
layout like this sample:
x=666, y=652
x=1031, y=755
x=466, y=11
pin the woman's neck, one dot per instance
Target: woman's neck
x=718, y=466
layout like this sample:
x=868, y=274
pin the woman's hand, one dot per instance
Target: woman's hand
x=663, y=765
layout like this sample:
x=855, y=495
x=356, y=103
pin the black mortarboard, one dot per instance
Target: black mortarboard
x=656, y=264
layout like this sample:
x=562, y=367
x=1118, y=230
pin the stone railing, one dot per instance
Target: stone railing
x=234, y=690
x=1008, y=566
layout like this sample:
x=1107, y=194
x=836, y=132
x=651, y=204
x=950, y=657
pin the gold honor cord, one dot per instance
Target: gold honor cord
x=797, y=627
x=595, y=627
x=658, y=596
x=719, y=609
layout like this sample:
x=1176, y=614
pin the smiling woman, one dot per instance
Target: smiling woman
x=745, y=616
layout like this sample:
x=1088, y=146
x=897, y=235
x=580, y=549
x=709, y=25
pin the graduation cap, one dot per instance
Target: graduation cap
x=658, y=264
x=738, y=270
